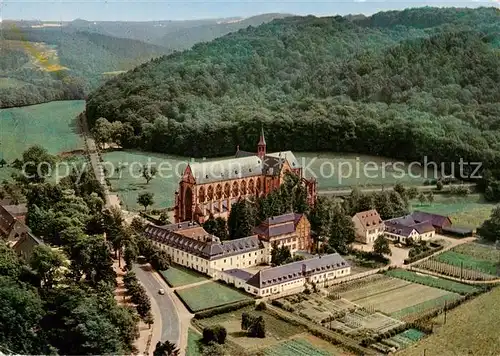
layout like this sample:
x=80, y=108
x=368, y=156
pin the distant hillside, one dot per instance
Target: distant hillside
x=45, y=64
x=331, y=84
x=146, y=31
x=187, y=37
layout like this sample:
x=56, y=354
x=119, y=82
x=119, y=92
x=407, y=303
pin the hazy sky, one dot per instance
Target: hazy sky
x=142, y=10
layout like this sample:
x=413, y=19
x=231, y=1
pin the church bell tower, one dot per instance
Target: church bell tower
x=261, y=146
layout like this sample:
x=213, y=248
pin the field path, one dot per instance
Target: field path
x=95, y=161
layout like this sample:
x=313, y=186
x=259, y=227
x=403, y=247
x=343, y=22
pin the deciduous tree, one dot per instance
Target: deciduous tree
x=145, y=199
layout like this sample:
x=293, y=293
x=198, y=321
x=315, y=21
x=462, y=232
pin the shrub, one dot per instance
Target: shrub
x=421, y=255
x=261, y=306
x=224, y=309
x=216, y=333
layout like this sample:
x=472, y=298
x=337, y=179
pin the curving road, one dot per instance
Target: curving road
x=170, y=318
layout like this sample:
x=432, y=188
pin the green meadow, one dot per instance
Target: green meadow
x=469, y=211
x=333, y=171
x=51, y=125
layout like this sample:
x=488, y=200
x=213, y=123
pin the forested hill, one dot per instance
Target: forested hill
x=185, y=38
x=406, y=88
x=39, y=65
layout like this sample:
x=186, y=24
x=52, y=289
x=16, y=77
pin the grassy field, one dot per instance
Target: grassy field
x=431, y=281
x=52, y=125
x=129, y=183
x=479, y=251
x=193, y=345
x=276, y=330
x=210, y=295
x=469, y=211
x=177, y=276
x=469, y=330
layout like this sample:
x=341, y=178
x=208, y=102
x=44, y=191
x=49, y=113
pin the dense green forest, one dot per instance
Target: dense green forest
x=83, y=58
x=409, y=84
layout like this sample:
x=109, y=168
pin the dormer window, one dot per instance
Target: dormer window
x=206, y=176
x=250, y=169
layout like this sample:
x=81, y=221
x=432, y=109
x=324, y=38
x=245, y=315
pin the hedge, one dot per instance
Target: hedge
x=224, y=309
x=422, y=255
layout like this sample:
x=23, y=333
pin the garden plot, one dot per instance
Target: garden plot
x=362, y=320
x=400, y=341
x=466, y=261
x=320, y=308
x=454, y=271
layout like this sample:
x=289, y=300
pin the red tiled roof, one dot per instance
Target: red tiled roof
x=369, y=218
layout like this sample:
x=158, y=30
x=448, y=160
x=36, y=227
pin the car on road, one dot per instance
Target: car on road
x=161, y=291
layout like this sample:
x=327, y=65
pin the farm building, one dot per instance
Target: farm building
x=368, y=225
x=439, y=222
x=291, y=230
x=458, y=231
x=403, y=228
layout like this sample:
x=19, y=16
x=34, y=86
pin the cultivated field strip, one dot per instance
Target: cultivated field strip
x=357, y=283
x=397, y=299
x=376, y=287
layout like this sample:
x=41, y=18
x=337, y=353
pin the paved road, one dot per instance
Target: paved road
x=169, y=317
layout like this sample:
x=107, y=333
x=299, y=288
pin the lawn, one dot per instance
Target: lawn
x=210, y=295
x=277, y=330
x=461, y=260
x=431, y=281
x=52, y=125
x=129, y=183
x=193, y=344
x=469, y=211
x=469, y=330
x=177, y=276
